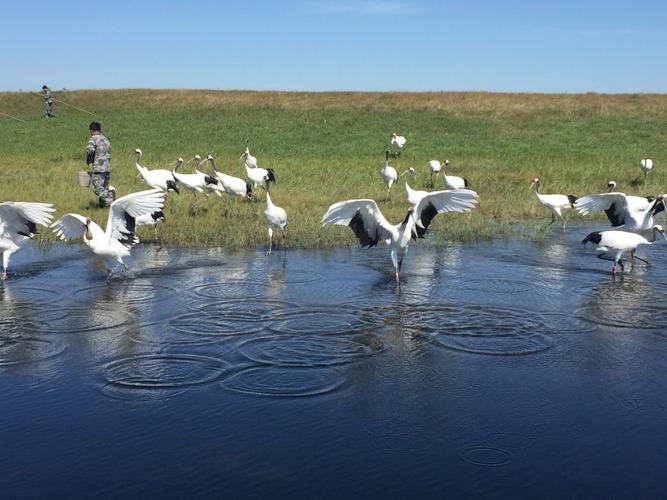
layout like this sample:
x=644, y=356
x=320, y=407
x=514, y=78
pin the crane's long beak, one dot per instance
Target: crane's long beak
x=404, y=172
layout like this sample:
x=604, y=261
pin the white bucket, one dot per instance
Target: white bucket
x=84, y=178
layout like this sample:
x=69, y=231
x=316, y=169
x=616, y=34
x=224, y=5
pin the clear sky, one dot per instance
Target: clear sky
x=503, y=45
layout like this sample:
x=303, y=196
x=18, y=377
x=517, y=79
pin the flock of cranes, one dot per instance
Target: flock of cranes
x=631, y=217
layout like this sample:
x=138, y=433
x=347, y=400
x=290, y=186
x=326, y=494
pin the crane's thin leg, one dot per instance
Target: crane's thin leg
x=431, y=179
x=553, y=218
x=5, y=263
x=268, y=252
x=285, y=242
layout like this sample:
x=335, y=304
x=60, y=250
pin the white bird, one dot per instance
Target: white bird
x=397, y=141
x=434, y=167
x=249, y=159
x=614, y=244
x=556, y=203
x=233, y=186
x=158, y=178
x=630, y=213
x=115, y=242
x=370, y=227
x=152, y=219
x=646, y=165
x=414, y=195
x=195, y=183
x=18, y=224
x=209, y=186
x=260, y=177
x=452, y=181
x=388, y=174
x=276, y=218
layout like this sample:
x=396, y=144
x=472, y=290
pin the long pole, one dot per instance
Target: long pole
x=12, y=117
x=66, y=104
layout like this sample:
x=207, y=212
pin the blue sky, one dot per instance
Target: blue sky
x=517, y=46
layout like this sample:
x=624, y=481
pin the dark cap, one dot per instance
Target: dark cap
x=95, y=127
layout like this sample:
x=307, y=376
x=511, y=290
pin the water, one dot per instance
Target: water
x=499, y=369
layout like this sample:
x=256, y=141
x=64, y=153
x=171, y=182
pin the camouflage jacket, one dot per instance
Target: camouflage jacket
x=98, y=153
x=47, y=97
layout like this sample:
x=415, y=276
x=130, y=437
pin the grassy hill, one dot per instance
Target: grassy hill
x=326, y=147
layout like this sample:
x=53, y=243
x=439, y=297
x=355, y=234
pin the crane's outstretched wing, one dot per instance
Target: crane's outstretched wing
x=121, y=223
x=363, y=217
x=439, y=202
x=615, y=205
x=19, y=217
x=70, y=226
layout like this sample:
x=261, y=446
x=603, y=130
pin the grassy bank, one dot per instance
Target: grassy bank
x=329, y=147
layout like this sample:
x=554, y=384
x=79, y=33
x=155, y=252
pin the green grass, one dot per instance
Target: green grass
x=329, y=147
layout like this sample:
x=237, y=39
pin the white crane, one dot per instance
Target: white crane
x=630, y=213
x=260, y=177
x=195, y=183
x=276, y=218
x=158, y=178
x=434, y=168
x=211, y=185
x=18, y=225
x=397, y=141
x=646, y=165
x=233, y=186
x=555, y=203
x=152, y=219
x=388, y=174
x=114, y=243
x=613, y=244
x=452, y=181
x=370, y=227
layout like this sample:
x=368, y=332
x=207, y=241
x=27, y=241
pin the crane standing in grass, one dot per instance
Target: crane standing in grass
x=555, y=203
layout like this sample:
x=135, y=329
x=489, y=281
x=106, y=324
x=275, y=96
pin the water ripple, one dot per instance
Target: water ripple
x=492, y=331
x=208, y=325
x=321, y=321
x=310, y=351
x=19, y=349
x=486, y=456
x=163, y=371
x=285, y=382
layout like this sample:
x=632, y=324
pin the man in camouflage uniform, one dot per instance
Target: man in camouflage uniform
x=48, y=102
x=98, y=156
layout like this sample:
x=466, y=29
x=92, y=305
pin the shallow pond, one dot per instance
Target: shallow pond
x=498, y=369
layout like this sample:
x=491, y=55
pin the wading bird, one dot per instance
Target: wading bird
x=210, y=187
x=276, y=218
x=646, y=165
x=434, y=168
x=556, y=203
x=115, y=242
x=388, y=174
x=613, y=244
x=233, y=186
x=630, y=213
x=152, y=219
x=260, y=177
x=370, y=227
x=397, y=141
x=158, y=178
x=18, y=224
x=452, y=181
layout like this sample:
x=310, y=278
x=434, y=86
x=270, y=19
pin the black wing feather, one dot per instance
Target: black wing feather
x=357, y=225
x=426, y=216
x=130, y=238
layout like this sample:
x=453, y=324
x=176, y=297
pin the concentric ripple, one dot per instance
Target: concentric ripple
x=321, y=321
x=289, y=382
x=32, y=295
x=163, y=371
x=205, y=325
x=18, y=349
x=490, y=331
x=133, y=292
x=84, y=320
x=643, y=316
x=486, y=456
x=310, y=351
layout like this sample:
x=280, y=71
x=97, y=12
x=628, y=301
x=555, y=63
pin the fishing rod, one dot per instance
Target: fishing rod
x=12, y=117
x=66, y=104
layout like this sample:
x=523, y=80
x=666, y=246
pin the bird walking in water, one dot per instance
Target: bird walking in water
x=18, y=225
x=613, y=244
x=555, y=203
x=388, y=174
x=114, y=243
x=370, y=226
x=276, y=218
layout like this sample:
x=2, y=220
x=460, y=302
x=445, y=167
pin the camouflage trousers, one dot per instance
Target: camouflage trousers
x=48, y=110
x=100, y=183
